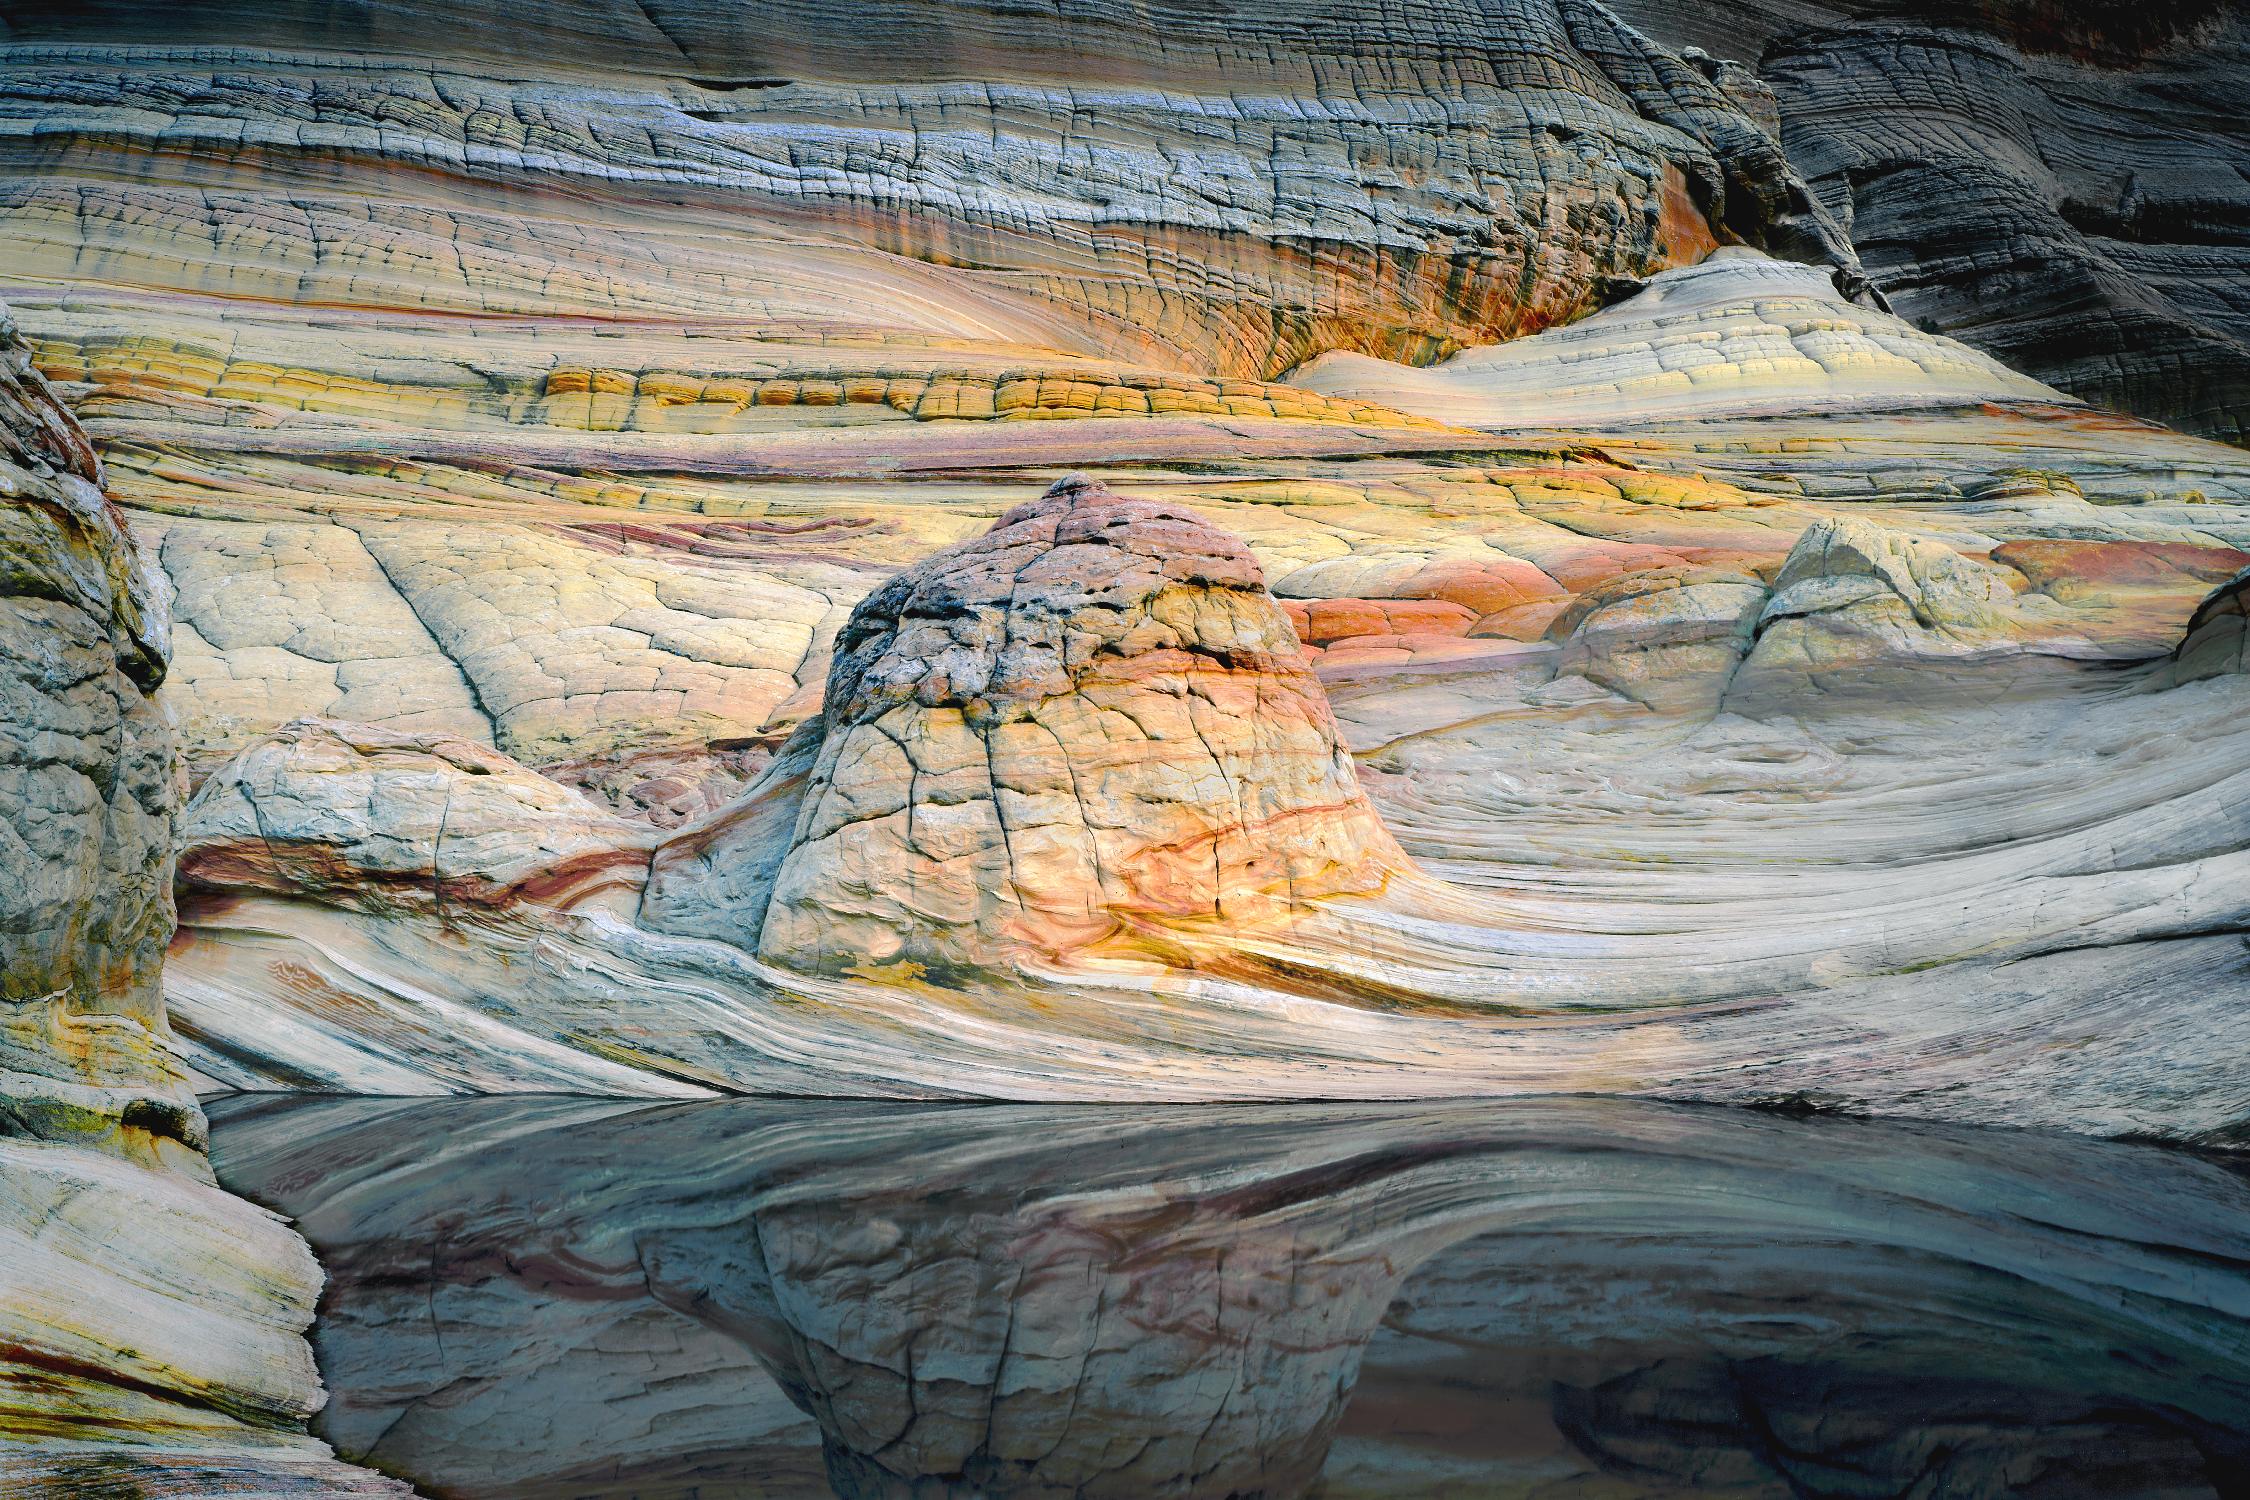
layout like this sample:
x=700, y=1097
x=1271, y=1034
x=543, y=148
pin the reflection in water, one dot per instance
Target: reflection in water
x=1570, y=1298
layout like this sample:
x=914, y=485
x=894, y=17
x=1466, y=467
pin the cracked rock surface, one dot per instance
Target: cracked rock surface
x=1092, y=718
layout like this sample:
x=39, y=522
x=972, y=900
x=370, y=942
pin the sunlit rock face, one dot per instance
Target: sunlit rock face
x=1496, y=1297
x=150, y=1324
x=1091, y=719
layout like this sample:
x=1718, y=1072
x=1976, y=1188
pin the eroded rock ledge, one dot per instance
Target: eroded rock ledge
x=1088, y=723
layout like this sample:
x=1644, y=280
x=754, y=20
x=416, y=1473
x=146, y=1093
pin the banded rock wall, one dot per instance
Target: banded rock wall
x=1243, y=186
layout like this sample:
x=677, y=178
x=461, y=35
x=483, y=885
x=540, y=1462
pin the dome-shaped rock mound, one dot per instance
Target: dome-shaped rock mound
x=1091, y=723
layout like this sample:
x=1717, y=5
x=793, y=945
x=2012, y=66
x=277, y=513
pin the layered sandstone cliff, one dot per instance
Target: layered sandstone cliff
x=151, y=1326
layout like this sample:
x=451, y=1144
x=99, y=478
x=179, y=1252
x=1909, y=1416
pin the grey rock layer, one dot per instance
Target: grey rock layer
x=2080, y=213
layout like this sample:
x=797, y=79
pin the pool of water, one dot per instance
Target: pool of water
x=1567, y=1298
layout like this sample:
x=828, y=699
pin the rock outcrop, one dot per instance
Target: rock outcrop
x=1246, y=186
x=1089, y=722
x=88, y=790
x=150, y=1325
x=363, y=816
x=1669, y=638
x=1855, y=602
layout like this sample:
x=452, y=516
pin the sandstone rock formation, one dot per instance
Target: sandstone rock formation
x=1854, y=603
x=150, y=1324
x=1091, y=720
x=152, y=1337
x=1135, y=1301
x=1246, y=186
x=555, y=389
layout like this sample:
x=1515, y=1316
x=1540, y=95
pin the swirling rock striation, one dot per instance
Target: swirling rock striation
x=535, y=399
x=1737, y=334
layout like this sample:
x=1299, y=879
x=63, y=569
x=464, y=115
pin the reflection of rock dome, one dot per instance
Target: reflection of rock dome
x=1100, y=1349
x=1028, y=1301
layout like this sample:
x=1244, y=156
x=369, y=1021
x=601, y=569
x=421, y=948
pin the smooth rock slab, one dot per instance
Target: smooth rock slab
x=371, y=816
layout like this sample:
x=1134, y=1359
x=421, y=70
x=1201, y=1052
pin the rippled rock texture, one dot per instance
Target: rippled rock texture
x=150, y=1324
x=1499, y=1298
x=1244, y=185
x=1764, y=694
